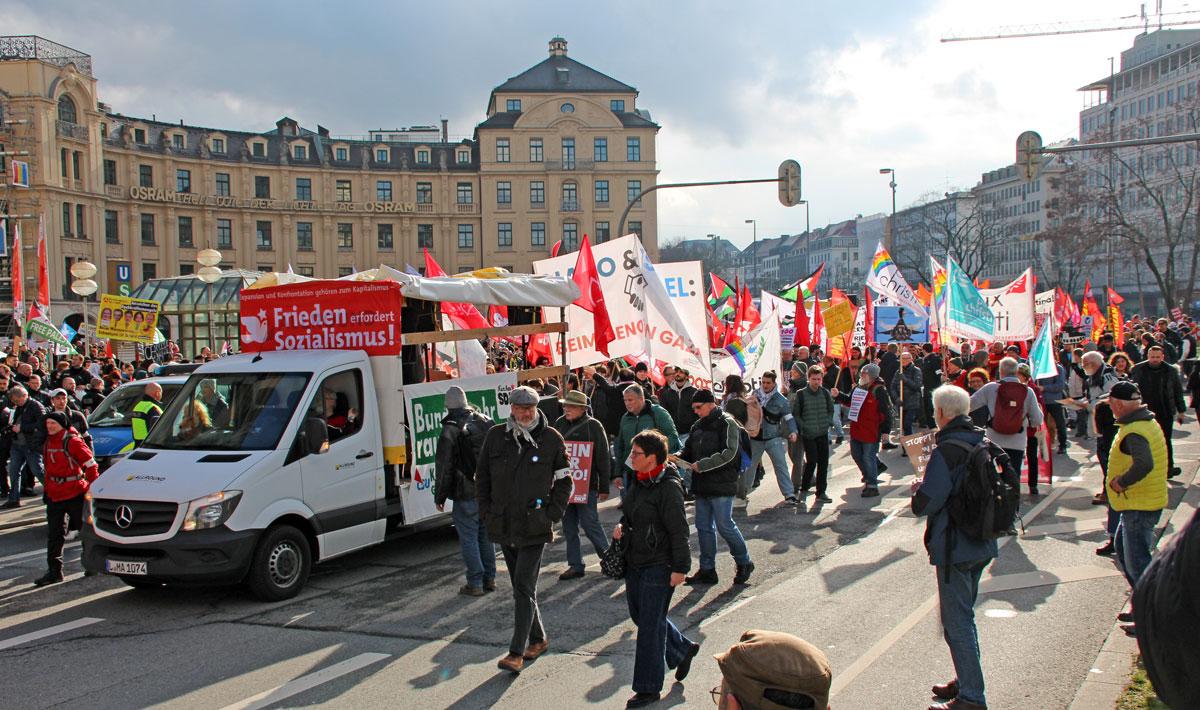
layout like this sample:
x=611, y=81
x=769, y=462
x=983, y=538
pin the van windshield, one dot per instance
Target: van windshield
x=229, y=412
x=117, y=408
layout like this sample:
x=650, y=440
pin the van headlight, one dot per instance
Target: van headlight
x=210, y=511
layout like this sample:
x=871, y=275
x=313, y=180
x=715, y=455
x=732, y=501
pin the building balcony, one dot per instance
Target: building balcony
x=569, y=164
x=467, y=208
x=571, y=206
x=424, y=208
x=113, y=190
x=72, y=130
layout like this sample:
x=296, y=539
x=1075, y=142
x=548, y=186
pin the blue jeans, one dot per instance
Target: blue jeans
x=866, y=456
x=583, y=515
x=660, y=645
x=911, y=415
x=777, y=450
x=18, y=458
x=837, y=420
x=713, y=515
x=958, y=586
x=1134, y=541
x=477, y=551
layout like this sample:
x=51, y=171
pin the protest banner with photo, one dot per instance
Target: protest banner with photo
x=635, y=307
x=425, y=406
x=919, y=448
x=1012, y=309
x=125, y=318
x=322, y=315
x=896, y=324
x=579, y=459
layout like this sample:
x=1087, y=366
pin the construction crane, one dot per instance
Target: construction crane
x=1129, y=22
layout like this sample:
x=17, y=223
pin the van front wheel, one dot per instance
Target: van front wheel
x=281, y=564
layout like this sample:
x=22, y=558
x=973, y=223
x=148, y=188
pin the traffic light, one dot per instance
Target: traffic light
x=1029, y=158
x=789, y=183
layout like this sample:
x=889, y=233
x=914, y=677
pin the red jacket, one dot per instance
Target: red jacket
x=69, y=471
x=874, y=417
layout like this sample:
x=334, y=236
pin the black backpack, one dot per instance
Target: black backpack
x=470, y=441
x=984, y=504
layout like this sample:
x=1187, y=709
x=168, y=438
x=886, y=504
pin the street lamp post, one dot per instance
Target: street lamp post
x=807, y=237
x=754, y=249
x=209, y=273
x=83, y=285
x=892, y=184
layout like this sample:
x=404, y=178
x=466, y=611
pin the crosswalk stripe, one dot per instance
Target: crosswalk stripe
x=4, y=561
x=50, y=631
x=308, y=682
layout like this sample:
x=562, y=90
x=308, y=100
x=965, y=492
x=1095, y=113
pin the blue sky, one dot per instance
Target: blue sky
x=844, y=88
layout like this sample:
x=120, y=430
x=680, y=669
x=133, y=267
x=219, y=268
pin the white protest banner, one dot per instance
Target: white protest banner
x=884, y=278
x=856, y=402
x=751, y=355
x=1012, y=309
x=787, y=315
x=637, y=319
x=1043, y=307
x=859, y=337
x=579, y=459
x=426, y=407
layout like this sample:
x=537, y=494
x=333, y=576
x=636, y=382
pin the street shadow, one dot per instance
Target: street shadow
x=1013, y=560
x=841, y=577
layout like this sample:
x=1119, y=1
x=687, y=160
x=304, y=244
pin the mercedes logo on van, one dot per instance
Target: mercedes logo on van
x=123, y=517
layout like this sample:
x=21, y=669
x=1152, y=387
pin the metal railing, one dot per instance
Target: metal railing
x=467, y=208
x=571, y=206
x=67, y=129
x=24, y=47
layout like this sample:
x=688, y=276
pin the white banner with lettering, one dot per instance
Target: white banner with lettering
x=1012, y=309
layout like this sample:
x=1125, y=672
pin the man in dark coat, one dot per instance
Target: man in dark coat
x=676, y=398
x=522, y=483
x=1162, y=392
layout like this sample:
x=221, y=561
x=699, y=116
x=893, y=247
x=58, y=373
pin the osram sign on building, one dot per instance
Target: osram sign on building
x=323, y=315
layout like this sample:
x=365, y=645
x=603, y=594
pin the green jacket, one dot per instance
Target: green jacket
x=813, y=411
x=652, y=416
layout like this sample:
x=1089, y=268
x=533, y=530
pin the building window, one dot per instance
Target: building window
x=341, y=154
x=601, y=192
x=62, y=162
x=149, y=270
x=617, y=105
x=502, y=150
x=80, y=230
x=185, y=232
x=570, y=196
x=112, y=233
x=636, y=228
x=568, y=153
x=504, y=235
x=342, y=192
x=464, y=157
x=537, y=194
x=145, y=175
x=148, y=229
x=381, y=155
x=424, y=193
x=570, y=236
x=600, y=150
x=423, y=157
x=633, y=149
x=110, y=172
x=66, y=220
x=224, y=234
x=300, y=152
x=262, y=187
x=262, y=235
x=633, y=190
x=76, y=157
x=603, y=233
x=512, y=105
x=535, y=150
x=465, y=193
x=187, y=269
x=567, y=107
x=304, y=270
x=304, y=241
x=537, y=234
x=177, y=141
x=218, y=145
x=66, y=109
x=223, y=184
x=304, y=189
x=424, y=236
x=344, y=271
x=258, y=149
x=383, y=237
x=466, y=236
x=504, y=192
x=183, y=181
x=345, y=235
x=383, y=190
x=139, y=136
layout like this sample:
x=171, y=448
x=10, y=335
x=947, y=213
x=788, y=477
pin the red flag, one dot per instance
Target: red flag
x=731, y=330
x=591, y=296
x=748, y=316
x=716, y=329
x=463, y=315
x=1091, y=308
x=555, y=249
x=41, y=304
x=803, y=330
x=1115, y=298
x=498, y=315
x=818, y=323
x=18, y=276
x=539, y=347
x=869, y=319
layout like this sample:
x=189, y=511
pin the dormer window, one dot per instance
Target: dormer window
x=218, y=145
x=512, y=105
x=381, y=155
x=258, y=149
x=464, y=157
x=617, y=105
x=341, y=153
x=139, y=136
x=422, y=156
x=177, y=141
x=300, y=152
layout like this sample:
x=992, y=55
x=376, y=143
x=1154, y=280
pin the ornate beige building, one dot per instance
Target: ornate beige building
x=562, y=149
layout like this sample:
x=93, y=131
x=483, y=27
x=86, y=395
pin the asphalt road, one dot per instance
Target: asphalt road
x=385, y=627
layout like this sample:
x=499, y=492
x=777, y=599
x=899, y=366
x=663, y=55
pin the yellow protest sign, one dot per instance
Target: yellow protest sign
x=839, y=319
x=125, y=318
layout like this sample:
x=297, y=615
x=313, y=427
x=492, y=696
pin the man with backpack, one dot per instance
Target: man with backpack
x=463, y=431
x=70, y=468
x=969, y=495
x=1013, y=409
x=778, y=427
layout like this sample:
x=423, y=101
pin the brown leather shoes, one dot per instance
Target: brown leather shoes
x=957, y=704
x=946, y=691
x=533, y=650
x=511, y=663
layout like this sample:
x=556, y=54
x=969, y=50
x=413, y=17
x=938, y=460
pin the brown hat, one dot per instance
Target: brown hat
x=576, y=398
x=764, y=663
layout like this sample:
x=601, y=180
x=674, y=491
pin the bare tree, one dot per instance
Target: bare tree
x=1073, y=243
x=952, y=224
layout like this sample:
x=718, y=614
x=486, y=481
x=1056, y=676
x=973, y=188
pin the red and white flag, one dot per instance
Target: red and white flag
x=463, y=315
x=41, y=304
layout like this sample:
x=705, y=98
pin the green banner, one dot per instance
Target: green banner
x=39, y=329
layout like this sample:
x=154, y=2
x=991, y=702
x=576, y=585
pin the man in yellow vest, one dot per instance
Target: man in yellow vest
x=1136, y=481
x=146, y=412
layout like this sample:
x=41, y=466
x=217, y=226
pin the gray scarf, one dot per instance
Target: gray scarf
x=520, y=431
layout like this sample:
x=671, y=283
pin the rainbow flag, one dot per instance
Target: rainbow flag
x=19, y=174
x=739, y=352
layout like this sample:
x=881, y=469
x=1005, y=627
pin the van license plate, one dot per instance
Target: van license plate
x=122, y=567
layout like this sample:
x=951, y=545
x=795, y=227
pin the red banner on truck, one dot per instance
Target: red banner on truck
x=323, y=315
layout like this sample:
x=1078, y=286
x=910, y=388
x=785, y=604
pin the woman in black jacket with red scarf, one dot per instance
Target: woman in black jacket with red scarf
x=655, y=532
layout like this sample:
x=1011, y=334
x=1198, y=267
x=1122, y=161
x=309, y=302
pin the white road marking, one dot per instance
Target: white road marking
x=6, y=561
x=50, y=631
x=732, y=607
x=308, y=682
x=18, y=619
